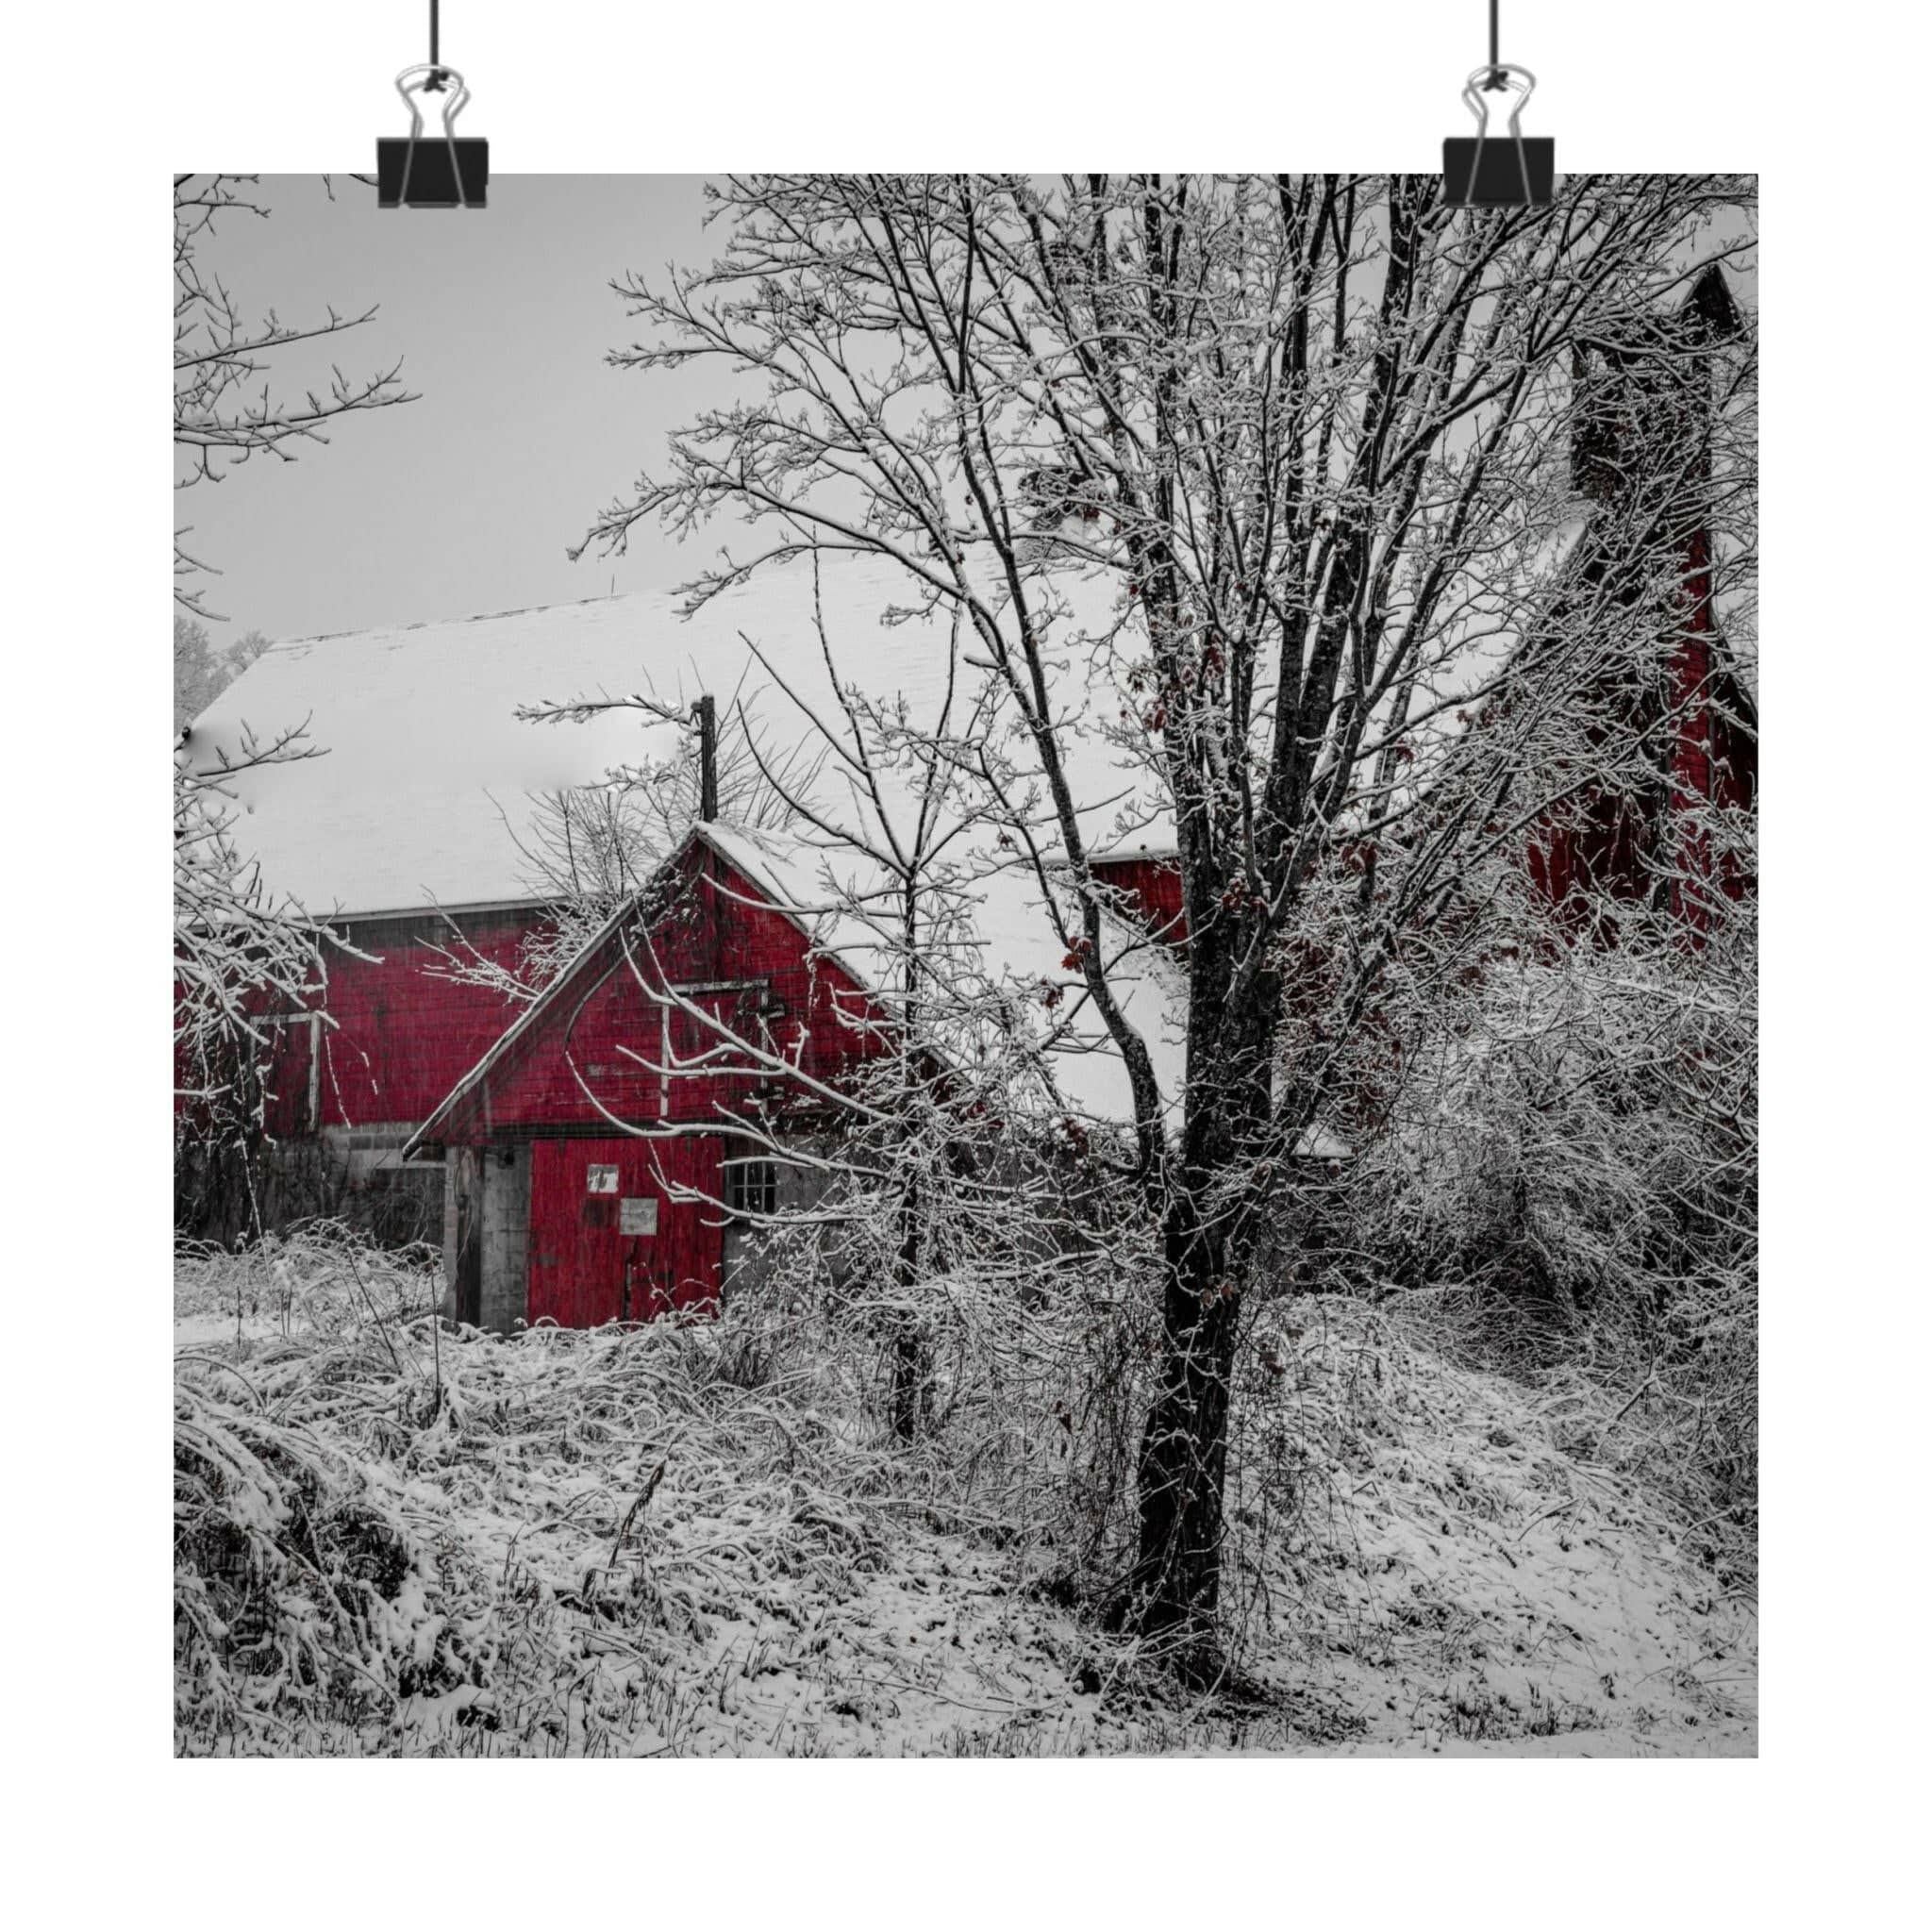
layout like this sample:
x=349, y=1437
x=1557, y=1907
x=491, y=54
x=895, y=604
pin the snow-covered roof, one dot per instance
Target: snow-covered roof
x=1142, y=849
x=1015, y=947
x=428, y=780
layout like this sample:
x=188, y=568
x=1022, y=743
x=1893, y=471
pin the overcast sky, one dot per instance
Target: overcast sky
x=465, y=500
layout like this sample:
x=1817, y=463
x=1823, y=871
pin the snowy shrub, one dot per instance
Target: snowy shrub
x=1570, y=1183
x=1031, y=1377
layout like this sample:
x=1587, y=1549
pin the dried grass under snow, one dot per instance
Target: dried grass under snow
x=651, y=1540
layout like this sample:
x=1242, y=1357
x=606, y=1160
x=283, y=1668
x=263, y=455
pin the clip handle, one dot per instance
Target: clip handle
x=1496, y=78
x=430, y=70
x=1518, y=83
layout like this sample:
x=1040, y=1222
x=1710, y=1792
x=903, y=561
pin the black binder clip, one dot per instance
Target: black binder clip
x=448, y=173
x=1510, y=171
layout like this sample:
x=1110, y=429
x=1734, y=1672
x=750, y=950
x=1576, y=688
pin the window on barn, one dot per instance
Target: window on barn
x=751, y=1186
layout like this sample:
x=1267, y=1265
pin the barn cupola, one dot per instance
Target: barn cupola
x=1643, y=449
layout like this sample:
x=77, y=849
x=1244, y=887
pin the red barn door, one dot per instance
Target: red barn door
x=607, y=1242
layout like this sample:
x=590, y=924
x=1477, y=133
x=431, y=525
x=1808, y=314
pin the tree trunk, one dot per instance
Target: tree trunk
x=911, y=1372
x=1174, y=1588
x=911, y=1369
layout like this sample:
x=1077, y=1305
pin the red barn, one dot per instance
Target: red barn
x=441, y=1097
x=410, y=836
x=594, y=1169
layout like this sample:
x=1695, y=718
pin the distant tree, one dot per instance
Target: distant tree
x=1315, y=431
x=201, y=672
x=242, y=954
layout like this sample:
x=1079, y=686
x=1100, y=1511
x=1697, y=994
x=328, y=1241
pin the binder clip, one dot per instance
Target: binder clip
x=445, y=173
x=1512, y=170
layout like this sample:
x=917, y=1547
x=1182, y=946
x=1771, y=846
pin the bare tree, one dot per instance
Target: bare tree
x=917, y=1175
x=248, y=963
x=224, y=411
x=245, y=959
x=1315, y=432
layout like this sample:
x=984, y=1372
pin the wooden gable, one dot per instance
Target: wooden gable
x=641, y=1033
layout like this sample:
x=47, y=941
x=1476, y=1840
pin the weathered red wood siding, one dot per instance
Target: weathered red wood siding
x=1618, y=845
x=402, y=1036
x=1656, y=382
x=1603, y=848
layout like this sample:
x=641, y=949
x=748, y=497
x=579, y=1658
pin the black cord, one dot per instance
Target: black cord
x=435, y=36
x=436, y=82
x=1496, y=57
x=1495, y=81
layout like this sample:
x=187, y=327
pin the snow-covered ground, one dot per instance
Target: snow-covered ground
x=1472, y=1586
x=603, y=1544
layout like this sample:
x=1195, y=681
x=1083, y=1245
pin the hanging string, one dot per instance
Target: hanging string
x=433, y=84
x=1496, y=80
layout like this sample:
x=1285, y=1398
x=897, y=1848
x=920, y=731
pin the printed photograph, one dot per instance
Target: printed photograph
x=964, y=965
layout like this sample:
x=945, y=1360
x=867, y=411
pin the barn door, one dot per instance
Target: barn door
x=608, y=1242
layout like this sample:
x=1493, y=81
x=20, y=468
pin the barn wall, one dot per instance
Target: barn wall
x=585, y=1267
x=1622, y=846
x=750, y=1266
x=1656, y=382
x=354, y=1176
x=402, y=1036
x=1154, y=884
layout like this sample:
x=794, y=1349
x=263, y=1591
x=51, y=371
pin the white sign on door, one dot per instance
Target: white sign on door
x=637, y=1215
x=602, y=1180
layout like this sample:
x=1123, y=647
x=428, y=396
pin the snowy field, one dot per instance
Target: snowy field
x=631, y=1542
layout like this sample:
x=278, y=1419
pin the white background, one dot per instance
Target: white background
x=99, y=100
